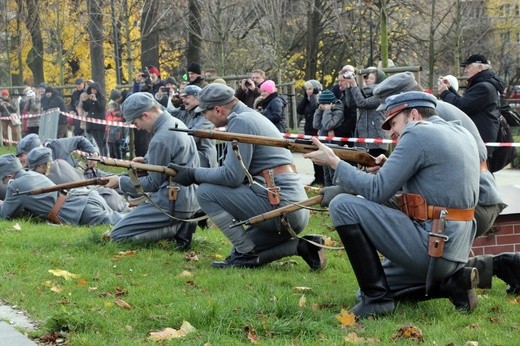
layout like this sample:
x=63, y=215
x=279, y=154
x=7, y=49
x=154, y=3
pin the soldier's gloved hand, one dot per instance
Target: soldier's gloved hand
x=330, y=192
x=185, y=175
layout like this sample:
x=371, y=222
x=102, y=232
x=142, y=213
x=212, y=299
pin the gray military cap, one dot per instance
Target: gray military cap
x=395, y=84
x=9, y=164
x=397, y=103
x=38, y=156
x=215, y=94
x=28, y=143
x=136, y=104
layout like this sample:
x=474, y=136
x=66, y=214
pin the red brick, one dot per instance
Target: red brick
x=508, y=239
x=477, y=251
x=505, y=229
x=485, y=241
x=494, y=250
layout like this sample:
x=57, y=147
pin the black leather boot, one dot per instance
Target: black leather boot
x=506, y=266
x=312, y=254
x=376, y=298
x=185, y=235
x=239, y=260
x=460, y=289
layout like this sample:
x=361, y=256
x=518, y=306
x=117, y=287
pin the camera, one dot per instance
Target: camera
x=348, y=75
x=165, y=90
x=247, y=83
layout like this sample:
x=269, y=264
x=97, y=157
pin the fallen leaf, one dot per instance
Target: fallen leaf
x=108, y=304
x=218, y=257
x=170, y=333
x=409, y=332
x=251, y=334
x=81, y=282
x=191, y=256
x=122, y=254
x=185, y=274
x=123, y=304
x=302, y=288
x=515, y=300
x=56, y=289
x=17, y=227
x=63, y=273
x=471, y=343
x=302, y=301
x=90, y=289
x=353, y=338
x=346, y=318
x=328, y=241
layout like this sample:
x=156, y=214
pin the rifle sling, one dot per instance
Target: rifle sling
x=53, y=214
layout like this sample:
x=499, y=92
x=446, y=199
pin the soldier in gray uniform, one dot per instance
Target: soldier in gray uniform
x=506, y=266
x=61, y=172
x=194, y=119
x=226, y=195
x=61, y=149
x=164, y=215
x=435, y=178
x=78, y=207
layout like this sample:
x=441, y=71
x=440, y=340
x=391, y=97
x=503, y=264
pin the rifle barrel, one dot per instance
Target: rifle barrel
x=347, y=154
x=135, y=165
x=64, y=186
x=280, y=211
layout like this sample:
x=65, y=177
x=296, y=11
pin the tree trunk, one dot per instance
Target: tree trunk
x=314, y=16
x=194, y=32
x=95, y=29
x=149, y=34
x=34, y=57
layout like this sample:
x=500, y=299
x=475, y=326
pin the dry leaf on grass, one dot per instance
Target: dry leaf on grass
x=346, y=318
x=191, y=256
x=122, y=254
x=185, y=274
x=63, y=273
x=81, y=282
x=123, y=304
x=302, y=288
x=302, y=301
x=171, y=333
x=16, y=227
x=353, y=338
x=409, y=332
x=251, y=334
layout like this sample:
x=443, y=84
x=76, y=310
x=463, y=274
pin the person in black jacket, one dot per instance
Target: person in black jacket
x=51, y=100
x=479, y=101
x=94, y=105
x=306, y=107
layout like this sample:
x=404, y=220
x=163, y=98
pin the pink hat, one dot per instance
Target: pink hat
x=268, y=86
x=153, y=70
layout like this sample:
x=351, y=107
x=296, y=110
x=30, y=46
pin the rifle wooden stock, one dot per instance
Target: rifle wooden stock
x=347, y=154
x=64, y=186
x=280, y=211
x=135, y=165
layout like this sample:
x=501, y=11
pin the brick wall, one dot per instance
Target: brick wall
x=505, y=237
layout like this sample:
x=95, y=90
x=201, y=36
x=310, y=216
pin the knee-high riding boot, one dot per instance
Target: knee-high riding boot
x=376, y=298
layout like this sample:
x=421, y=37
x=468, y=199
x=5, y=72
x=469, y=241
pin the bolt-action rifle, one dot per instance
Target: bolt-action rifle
x=135, y=165
x=280, y=211
x=64, y=186
x=299, y=146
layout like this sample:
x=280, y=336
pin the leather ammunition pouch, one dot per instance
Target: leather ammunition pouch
x=273, y=192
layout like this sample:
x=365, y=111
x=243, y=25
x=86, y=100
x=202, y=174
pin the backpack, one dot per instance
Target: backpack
x=509, y=113
x=502, y=156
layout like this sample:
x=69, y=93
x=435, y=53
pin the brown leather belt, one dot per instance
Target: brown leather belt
x=273, y=192
x=434, y=212
x=483, y=166
x=53, y=214
x=279, y=170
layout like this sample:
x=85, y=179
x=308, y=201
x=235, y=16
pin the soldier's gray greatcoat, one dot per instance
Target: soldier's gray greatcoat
x=438, y=161
x=81, y=207
x=226, y=188
x=165, y=147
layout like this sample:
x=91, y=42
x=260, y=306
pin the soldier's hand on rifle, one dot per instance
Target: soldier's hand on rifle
x=185, y=175
x=113, y=182
x=380, y=160
x=324, y=156
x=330, y=192
x=92, y=163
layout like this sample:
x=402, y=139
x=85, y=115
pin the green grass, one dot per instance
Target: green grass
x=220, y=304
